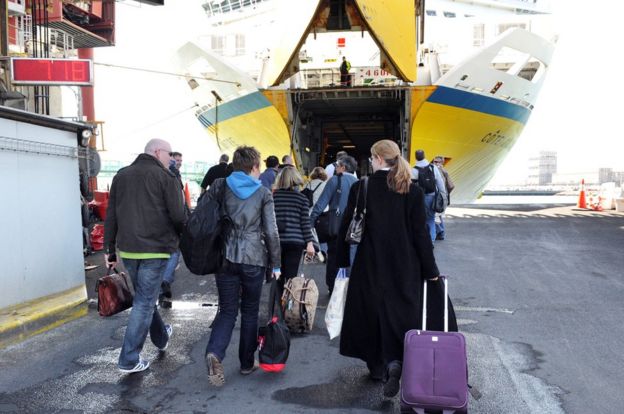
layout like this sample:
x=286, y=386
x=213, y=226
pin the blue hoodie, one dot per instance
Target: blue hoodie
x=242, y=185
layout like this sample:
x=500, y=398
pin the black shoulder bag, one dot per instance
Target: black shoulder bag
x=328, y=223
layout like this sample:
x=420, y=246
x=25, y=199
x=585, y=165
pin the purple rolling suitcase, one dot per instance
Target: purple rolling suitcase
x=435, y=367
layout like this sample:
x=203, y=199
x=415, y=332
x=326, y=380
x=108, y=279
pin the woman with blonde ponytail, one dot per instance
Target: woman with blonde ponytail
x=395, y=254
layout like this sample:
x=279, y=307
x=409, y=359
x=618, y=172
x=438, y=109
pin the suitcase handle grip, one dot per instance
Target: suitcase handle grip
x=424, y=311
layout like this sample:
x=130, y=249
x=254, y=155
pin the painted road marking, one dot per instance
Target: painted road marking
x=484, y=309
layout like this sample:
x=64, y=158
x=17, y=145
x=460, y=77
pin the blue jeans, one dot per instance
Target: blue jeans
x=237, y=281
x=440, y=230
x=323, y=247
x=172, y=263
x=146, y=278
x=430, y=215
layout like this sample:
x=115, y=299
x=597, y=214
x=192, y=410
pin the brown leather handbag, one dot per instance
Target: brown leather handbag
x=114, y=293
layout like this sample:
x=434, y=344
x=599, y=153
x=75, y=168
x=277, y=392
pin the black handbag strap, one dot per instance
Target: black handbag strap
x=274, y=300
x=364, y=188
x=316, y=188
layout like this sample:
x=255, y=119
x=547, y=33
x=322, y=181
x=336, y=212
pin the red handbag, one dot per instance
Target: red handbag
x=114, y=293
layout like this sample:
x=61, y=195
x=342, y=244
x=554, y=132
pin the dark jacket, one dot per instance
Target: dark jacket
x=216, y=171
x=176, y=172
x=145, y=209
x=385, y=285
x=292, y=212
x=253, y=238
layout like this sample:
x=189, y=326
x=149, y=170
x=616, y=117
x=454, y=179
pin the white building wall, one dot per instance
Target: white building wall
x=41, y=243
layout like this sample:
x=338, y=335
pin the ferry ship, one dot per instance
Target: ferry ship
x=268, y=76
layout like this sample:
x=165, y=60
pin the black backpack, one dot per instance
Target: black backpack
x=274, y=337
x=202, y=242
x=426, y=179
x=309, y=193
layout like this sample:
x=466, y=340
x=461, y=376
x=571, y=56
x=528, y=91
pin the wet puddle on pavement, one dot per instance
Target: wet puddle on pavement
x=352, y=389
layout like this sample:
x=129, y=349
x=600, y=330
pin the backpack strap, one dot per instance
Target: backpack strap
x=435, y=181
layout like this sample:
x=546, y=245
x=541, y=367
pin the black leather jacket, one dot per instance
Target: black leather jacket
x=253, y=238
x=145, y=210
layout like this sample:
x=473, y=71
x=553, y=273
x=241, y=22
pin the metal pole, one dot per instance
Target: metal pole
x=216, y=124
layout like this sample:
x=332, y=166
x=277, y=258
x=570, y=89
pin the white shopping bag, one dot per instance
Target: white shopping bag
x=335, y=308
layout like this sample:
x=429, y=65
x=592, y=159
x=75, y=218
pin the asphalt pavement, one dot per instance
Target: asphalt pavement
x=538, y=293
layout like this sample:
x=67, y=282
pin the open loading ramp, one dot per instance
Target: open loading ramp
x=326, y=121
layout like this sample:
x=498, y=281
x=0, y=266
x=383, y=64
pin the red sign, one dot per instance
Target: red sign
x=341, y=42
x=36, y=71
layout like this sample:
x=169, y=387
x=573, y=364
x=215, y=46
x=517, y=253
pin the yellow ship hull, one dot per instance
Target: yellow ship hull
x=473, y=132
x=249, y=120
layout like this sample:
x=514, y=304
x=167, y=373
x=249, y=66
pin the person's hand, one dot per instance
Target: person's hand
x=310, y=252
x=435, y=279
x=110, y=259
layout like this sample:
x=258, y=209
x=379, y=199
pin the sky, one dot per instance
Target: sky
x=576, y=113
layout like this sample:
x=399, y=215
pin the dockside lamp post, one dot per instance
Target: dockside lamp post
x=217, y=100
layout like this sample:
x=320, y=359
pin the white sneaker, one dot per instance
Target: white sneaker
x=142, y=365
x=169, y=330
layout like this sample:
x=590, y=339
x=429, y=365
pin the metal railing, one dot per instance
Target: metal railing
x=359, y=76
x=216, y=7
x=36, y=147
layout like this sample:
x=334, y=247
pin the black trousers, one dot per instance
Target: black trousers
x=291, y=256
x=332, y=265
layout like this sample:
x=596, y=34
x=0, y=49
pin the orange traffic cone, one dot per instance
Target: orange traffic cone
x=187, y=195
x=581, y=201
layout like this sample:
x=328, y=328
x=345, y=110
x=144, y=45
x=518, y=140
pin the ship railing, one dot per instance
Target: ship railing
x=358, y=76
x=221, y=7
x=476, y=89
x=478, y=74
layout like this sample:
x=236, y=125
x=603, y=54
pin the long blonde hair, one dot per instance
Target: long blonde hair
x=400, y=176
x=288, y=179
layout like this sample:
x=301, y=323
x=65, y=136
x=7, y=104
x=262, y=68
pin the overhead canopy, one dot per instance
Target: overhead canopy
x=391, y=24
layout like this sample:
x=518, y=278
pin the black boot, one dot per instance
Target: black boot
x=376, y=371
x=393, y=373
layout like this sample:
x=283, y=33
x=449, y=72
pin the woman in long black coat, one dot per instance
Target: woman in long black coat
x=384, y=297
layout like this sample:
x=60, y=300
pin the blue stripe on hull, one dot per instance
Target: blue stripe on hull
x=236, y=107
x=475, y=102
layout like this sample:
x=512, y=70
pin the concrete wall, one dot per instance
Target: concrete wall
x=41, y=239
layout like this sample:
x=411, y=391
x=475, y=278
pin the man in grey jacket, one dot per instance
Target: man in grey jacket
x=251, y=246
x=145, y=215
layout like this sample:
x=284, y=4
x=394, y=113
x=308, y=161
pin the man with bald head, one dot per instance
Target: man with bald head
x=144, y=219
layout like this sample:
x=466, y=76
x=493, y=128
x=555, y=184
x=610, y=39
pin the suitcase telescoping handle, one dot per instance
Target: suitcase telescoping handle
x=424, y=312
